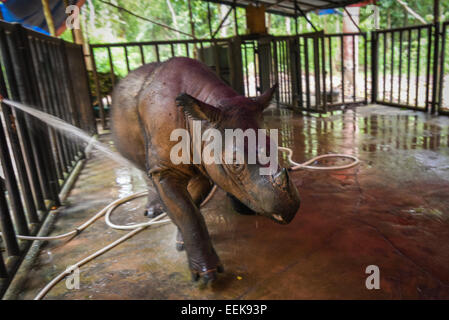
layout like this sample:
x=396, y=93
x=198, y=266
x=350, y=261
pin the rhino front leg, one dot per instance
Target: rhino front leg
x=199, y=188
x=185, y=214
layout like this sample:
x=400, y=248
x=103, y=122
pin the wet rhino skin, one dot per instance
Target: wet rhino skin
x=158, y=98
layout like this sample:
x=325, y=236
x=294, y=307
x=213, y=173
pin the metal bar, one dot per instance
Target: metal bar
x=3, y=272
x=401, y=38
x=385, y=66
x=331, y=70
x=392, y=68
x=98, y=89
x=126, y=58
x=342, y=70
x=300, y=84
x=186, y=45
x=306, y=57
x=429, y=52
x=442, y=67
x=436, y=56
x=353, y=68
x=276, y=69
x=365, y=68
x=156, y=47
x=8, y=234
x=418, y=68
x=323, y=57
x=316, y=70
x=409, y=58
x=111, y=66
x=142, y=55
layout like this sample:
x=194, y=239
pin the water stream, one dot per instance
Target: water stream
x=70, y=131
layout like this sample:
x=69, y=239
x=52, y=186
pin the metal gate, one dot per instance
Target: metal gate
x=402, y=67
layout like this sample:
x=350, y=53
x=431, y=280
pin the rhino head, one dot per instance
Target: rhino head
x=272, y=195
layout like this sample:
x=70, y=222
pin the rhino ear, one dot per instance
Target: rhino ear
x=266, y=97
x=196, y=109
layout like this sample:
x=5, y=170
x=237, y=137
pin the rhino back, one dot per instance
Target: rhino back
x=126, y=128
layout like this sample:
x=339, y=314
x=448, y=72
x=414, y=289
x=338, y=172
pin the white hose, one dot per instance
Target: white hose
x=305, y=165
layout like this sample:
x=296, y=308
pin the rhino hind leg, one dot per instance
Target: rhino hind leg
x=240, y=207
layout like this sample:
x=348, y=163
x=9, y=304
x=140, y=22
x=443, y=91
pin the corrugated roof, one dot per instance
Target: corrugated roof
x=287, y=7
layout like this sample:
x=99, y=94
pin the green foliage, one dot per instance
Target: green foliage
x=103, y=23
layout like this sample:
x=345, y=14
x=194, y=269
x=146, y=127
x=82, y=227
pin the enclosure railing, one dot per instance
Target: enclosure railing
x=219, y=54
x=316, y=72
x=49, y=75
x=404, y=67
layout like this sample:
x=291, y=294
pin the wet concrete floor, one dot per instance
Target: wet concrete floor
x=392, y=212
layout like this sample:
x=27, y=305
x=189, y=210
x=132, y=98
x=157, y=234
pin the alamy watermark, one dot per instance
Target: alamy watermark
x=373, y=280
x=72, y=280
x=259, y=149
x=73, y=20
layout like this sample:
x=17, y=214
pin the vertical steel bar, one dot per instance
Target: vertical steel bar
x=331, y=70
x=98, y=89
x=126, y=57
x=418, y=68
x=300, y=83
x=8, y=234
x=353, y=68
x=442, y=66
x=401, y=38
x=365, y=67
x=3, y=271
x=436, y=64
x=392, y=67
x=111, y=66
x=342, y=70
x=385, y=67
x=142, y=55
x=156, y=47
x=306, y=57
x=409, y=62
x=429, y=53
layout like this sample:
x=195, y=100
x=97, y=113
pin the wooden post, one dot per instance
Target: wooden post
x=48, y=17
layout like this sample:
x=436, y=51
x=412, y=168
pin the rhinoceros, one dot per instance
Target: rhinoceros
x=157, y=98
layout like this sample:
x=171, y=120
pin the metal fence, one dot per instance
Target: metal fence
x=404, y=67
x=48, y=74
x=219, y=54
